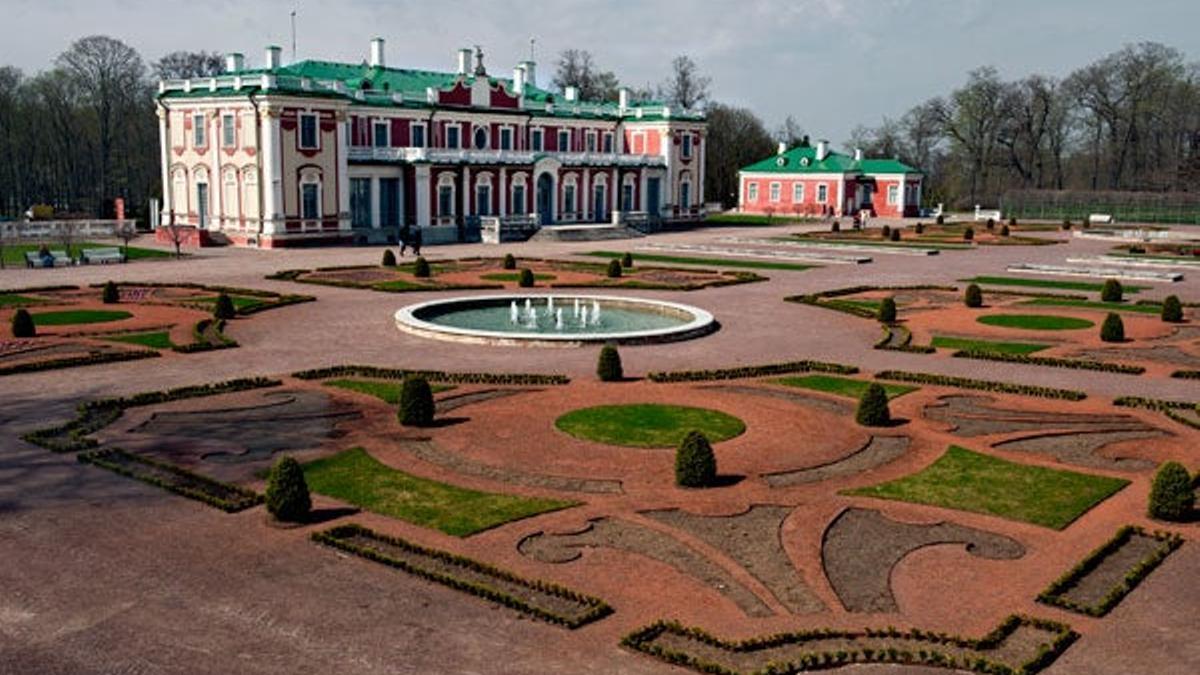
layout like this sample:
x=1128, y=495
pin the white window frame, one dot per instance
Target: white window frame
x=823, y=193
x=752, y=191
x=387, y=133
x=685, y=147
x=199, y=130
x=775, y=192
x=316, y=121
x=228, y=130
x=567, y=133
x=456, y=127
x=798, y=193
x=609, y=144
x=446, y=180
x=412, y=129
x=506, y=138
x=537, y=140
x=590, y=143
x=570, y=187
x=513, y=207
x=314, y=183
x=893, y=194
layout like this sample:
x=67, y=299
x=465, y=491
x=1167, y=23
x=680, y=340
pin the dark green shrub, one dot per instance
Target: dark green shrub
x=608, y=366
x=969, y=234
x=695, y=463
x=1012, y=221
x=887, y=310
x=287, y=491
x=510, y=263
x=920, y=228
x=886, y=231
x=223, y=308
x=22, y=324
x=973, y=297
x=1112, y=291
x=627, y=260
x=895, y=235
x=1066, y=224
x=1172, y=309
x=873, y=407
x=1004, y=231
x=614, y=269
x=1113, y=329
x=421, y=268
x=991, y=224
x=389, y=258
x=1172, y=495
x=110, y=295
x=525, y=278
x=416, y=402
x=835, y=227
x=941, y=220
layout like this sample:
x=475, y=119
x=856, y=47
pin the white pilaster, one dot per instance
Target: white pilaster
x=343, y=172
x=216, y=181
x=376, y=201
x=422, y=187
x=503, y=192
x=164, y=140
x=466, y=193
x=271, y=180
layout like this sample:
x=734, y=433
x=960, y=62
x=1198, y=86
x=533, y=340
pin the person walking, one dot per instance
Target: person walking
x=405, y=234
x=416, y=241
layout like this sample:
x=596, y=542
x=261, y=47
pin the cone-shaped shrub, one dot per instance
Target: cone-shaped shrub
x=416, y=402
x=969, y=234
x=1112, y=291
x=873, y=407
x=886, y=231
x=110, y=295
x=973, y=297
x=695, y=463
x=895, y=235
x=941, y=220
x=887, y=310
x=389, y=258
x=22, y=324
x=1172, y=309
x=510, y=262
x=920, y=228
x=287, y=492
x=627, y=260
x=1004, y=231
x=1172, y=495
x=991, y=224
x=835, y=227
x=525, y=278
x=1113, y=329
x=421, y=268
x=1012, y=221
x=614, y=269
x=223, y=308
x=608, y=366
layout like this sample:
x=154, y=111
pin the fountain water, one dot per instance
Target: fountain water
x=558, y=319
x=513, y=315
x=528, y=305
x=583, y=318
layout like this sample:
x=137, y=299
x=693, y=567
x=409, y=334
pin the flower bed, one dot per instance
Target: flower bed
x=983, y=385
x=377, y=373
x=225, y=496
x=744, y=372
x=1057, y=592
x=93, y=359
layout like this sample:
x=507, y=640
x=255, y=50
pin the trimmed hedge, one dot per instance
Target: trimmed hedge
x=421, y=268
x=110, y=295
x=885, y=342
x=887, y=310
x=287, y=492
x=873, y=407
x=1186, y=374
x=1113, y=329
x=1112, y=291
x=22, y=324
x=819, y=299
x=608, y=365
x=93, y=359
x=207, y=335
x=936, y=380
x=1172, y=495
x=389, y=258
x=1055, y=594
x=594, y=608
x=510, y=262
x=1052, y=361
x=695, y=463
x=744, y=372
x=973, y=296
x=1168, y=408
x=225, y=496
x=525, y=278
x=1172, y=309
x=377, y=373
x=627, y=260
x=643, y=640
x=223, y=308
x=416, y=402
x=614, y=269
x=93, y=416
x=271, y=299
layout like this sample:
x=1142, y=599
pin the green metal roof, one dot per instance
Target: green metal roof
x=803, y=159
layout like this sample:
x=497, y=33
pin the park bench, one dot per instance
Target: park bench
x=102, y=256
x=1101, y=219
x=986, y=214
x=56, y=259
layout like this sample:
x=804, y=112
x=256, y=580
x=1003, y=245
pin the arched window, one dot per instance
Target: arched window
x=446, y=194
x=310, y=195
x=483, y=194
x=517, y=204
x=203, y=205
x=569, y=205
x=179, y=191
x=600, y=198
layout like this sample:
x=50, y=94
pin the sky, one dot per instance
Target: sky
x=831, y=64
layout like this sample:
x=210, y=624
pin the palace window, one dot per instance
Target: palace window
x=564, y=141
x=518, y=199
x=506, y=138
x=608, y=142
x=797, y=193
x=382, y=132
x=685, y=194
x=360, y=202
x=308, y=132
x=418, y=136
x=685, y=148
x=752, y=192
x=481, y=138
x=893, y=194
x=822, y=193
x=536, y=139
x=310, y=201
x=775, y=190
x=228, y=131
x=591, y=141
x=452, y=136
x=483, y=196
x=568, y=199
x=199, y=137
x=445, y=197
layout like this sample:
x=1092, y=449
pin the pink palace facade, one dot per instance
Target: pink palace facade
x=317, y=152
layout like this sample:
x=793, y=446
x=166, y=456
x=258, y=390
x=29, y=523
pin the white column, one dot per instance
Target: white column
x=164, y=139
x=343, y=186
x=698, y=188
x=613, y=192
x=841, y=198
x=271, y=180
x=466, y=193
x=421, y=185
x=918, y=191
x=642, y=204
x=742, y=192
x=585, y=196
x=216, y=181
x=376, y=202
x=503, y=195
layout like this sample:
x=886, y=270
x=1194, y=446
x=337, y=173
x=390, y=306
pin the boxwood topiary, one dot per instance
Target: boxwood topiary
x=416, y=402
x=525, y=278
x=389, y=258
x=608, y=366
x=421, y=268
x=1112, y=291
x=614, y=269
x=22, y=324
x=110, y=295
x=991, y=224
x=287, y=491
x=223, y=308
x=1113, y=329
x=919, y=228
x=1004, y=231
x=969, y=234
x=627, y=260
x=835, y=226
x=887, y=310
x=873, y=407
x=1172, y=309
x=510, y=262
x=895, y=235
x=886, y=231
x=941, y=220
x=1172, y=495
x=695, y=463
x=973, y=296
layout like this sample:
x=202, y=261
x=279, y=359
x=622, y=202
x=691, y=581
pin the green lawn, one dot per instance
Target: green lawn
x=157, y=340
x=872, y=305
x=1046, y=283
x=1035, y=321
x=842, y=386
x=987, y=346
x=355, y=477
x=13, y=300
x=77, y=316
x=647, y=425
x=402, y=285
x=713, y=262
x=240, y=302
x=387, y=391
x=15, y=254
x=1100, y=306
x=971, y=481
x=515, y=276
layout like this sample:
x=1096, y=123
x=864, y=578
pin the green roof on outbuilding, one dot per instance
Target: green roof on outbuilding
x=803, y=159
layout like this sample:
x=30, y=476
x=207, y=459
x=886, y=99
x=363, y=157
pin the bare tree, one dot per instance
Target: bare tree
x=577, y=68
x=67, y=234
x=790, y=133
x=125, y=231
x=685, y=87
x=971, y=118
x=176, y=234
x=736, y=138
x=183, y=65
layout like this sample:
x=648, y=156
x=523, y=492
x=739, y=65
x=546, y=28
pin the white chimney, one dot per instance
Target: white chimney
x=858, y=156
x=571, y=93
x=530, y=73
x=464, y=61
x=782, y=148
x=274, y=57
x=623, y=98
x=377, y=58
x=234, y=62
x=822, y=150
x=518, y=80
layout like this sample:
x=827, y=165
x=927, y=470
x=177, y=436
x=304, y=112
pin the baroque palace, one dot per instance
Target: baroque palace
x=316, y=152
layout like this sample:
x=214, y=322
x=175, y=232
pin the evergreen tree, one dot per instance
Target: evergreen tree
x=608, y=366
x=614, y=269
x=695, y=463
x=389, y=258
x=110, y=295
x=525, y=278
x=421, y=268
x=1172, y=309
x=887, y=310
x=416, y=402
x=1112, y=291
x=223, y=308
x=1113, y=329
x=22, y=324
x=973, y=297
x=287, y=491
x=1172, y=495
x=873, y=407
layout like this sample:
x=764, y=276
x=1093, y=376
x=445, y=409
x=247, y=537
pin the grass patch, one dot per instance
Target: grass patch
x=713, y=262
x=513, y=277
x=384, y=390
x=647, y=425
x=987, y=346
x=1035, y=321
x=78, y=316
x=1098, y=306
x=240, y=302
x=1046, y=283
x=15, y=254
x=355, y=477
x=971, y=481
x=17, y=300
x=842, y=386
x=157, y=339
x=403, y=285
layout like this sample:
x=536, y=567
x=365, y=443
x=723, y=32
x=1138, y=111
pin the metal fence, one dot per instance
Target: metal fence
x=1125, y=207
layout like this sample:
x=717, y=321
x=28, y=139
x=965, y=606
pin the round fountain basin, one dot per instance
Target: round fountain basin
x=554, y=320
